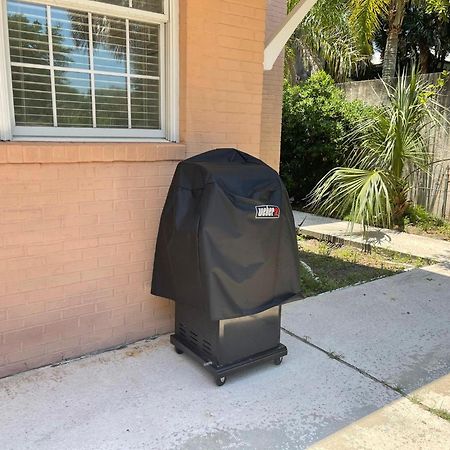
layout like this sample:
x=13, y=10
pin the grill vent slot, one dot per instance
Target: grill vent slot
x=182, y=330
x=195, y=340
x=207, y=348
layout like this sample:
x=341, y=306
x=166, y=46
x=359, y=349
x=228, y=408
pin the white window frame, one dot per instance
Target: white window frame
x=169, y=78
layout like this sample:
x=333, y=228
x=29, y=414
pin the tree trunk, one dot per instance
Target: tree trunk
x=396, y=15
x=400, y=205
x=424, y=58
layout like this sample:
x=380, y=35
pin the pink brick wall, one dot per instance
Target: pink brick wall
x=76, y=250
x=222, y=73
x=78, y=222
x=272, y=92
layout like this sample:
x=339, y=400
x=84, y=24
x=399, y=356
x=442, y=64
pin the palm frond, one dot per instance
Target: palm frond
x=324, y=35
x=373, y=188
x=366, y=19
x=364, y=195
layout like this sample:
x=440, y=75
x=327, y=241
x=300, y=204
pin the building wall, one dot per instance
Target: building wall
x=78, y=221
x=272, y=92
x=221, y=74
x=78, y=225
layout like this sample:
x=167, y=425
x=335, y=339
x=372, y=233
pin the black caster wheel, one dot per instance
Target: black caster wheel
x=180, y=352
x=220, y=381
x=278, y=361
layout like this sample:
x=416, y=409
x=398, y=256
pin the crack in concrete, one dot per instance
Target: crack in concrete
x=397, y=389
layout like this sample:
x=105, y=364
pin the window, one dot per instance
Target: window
x=91, y=69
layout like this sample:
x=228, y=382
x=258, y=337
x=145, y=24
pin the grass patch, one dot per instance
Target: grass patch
x=326, y=266
x=419, y=221
x=439, y=412
x=442, y=413
x=436, y=232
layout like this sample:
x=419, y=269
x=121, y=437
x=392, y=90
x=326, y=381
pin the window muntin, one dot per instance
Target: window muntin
x=91, y=71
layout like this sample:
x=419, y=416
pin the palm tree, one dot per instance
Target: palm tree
x=367, y=18
x=425, y=38
x=343, y=31
x=373, y=188
x=323, y=41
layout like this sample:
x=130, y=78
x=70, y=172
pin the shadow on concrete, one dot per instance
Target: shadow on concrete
x=373, y=237
x=395, y=329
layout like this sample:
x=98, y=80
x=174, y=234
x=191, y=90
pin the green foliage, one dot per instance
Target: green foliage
x=425, y=37
x=439, y=6
x=419, y=221
x=417, y=215
x=338, y=35
x=374, y=185
x=316, y=117
x=366, y=19
x=324, y=39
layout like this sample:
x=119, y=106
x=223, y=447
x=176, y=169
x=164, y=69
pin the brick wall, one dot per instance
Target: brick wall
x=222, y=73
x=76, y=248
x=272, y=91
x=78, y=222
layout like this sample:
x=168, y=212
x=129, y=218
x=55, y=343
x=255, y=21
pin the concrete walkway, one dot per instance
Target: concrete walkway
x=353, y=356
x=339, y=230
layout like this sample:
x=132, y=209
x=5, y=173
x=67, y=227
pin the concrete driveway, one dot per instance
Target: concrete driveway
x=354, y=354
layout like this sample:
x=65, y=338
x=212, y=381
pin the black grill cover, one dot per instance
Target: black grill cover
x=213, y=252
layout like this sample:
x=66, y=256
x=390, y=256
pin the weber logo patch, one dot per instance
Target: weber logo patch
x=267, y=212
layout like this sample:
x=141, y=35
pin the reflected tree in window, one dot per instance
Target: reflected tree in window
x=63, y=62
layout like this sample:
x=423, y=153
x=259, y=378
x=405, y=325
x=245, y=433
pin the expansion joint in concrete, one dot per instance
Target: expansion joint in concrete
x=333, y=355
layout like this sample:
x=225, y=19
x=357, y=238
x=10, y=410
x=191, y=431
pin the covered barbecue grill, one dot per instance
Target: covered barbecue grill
x=226, y=254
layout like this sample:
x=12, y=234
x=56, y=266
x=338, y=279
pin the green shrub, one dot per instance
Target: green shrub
x=316, y=117
x=417, y=215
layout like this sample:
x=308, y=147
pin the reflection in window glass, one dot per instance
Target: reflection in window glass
x=109, y=44
x=125, y=3
x=145, y=103
x=111, y=101
x=144, y=49
x=32, y=96
x=73, y=99
x=145, y=5
x=27, y=27
x=149, y=5
x=58, y=82
x=70, y=36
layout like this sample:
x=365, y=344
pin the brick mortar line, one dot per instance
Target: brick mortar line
x=94, y=161
x=336, y=357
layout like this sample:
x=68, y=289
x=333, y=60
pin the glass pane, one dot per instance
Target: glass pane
x=145, y=103
x=27, y=26
x=144, y=49
x=73, y=99
x=70, y=35
x=109, y=44
x=145, y=5
x=125, y=3
x=32, y=96
x=149, y=5
x=111, y=101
